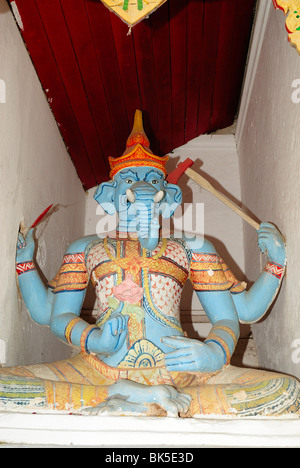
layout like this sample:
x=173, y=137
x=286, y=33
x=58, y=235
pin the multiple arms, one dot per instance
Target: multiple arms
x=216, y=351
x=61, y=311
x=224, y=310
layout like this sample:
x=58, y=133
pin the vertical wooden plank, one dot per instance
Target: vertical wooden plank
x=183, y=67
x=225, y=67
x=100, y=22
x=162, y=68
x=194, y=66
x=143, y=46
x=209, y=54
x=241, y=35
x=127, y=66
x=55, y=26
x=178, y=51
x=36, y=40
x=79, y=29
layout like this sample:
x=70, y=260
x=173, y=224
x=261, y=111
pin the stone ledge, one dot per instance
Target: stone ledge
x=92, y=431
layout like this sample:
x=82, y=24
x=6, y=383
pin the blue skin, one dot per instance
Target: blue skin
x=222, y=308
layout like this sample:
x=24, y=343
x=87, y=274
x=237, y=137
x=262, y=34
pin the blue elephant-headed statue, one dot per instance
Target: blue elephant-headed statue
x=139, y=196
x=136, y=358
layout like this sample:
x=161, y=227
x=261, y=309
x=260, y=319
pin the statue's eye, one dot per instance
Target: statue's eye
x=129, y=181
x=154, y=181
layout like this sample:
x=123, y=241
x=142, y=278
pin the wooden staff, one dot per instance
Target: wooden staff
x=185, y=168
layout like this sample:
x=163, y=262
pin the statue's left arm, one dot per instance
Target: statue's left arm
x=227, y=303
x=213, y=291
x=251, y=305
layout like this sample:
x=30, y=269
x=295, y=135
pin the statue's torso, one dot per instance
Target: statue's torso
x=160, y=276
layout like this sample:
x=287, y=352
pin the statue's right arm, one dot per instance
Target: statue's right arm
x=69, y=327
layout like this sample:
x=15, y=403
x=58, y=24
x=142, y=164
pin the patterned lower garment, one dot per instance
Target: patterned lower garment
x=84, y=381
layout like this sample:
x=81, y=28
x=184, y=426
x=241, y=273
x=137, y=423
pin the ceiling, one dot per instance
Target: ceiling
x=183, y=67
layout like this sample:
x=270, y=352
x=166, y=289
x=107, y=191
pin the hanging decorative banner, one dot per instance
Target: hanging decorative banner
x=292, y=23
x=133, y=11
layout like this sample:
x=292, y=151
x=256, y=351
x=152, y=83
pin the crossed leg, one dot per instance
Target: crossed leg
x=245, y=393
x=73, y=386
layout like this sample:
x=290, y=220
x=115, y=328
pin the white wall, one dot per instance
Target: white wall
x=35, y=172
x=269, y=156
x=216, y=157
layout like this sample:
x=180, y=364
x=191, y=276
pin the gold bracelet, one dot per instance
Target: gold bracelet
x=69, y=328
x=84, y=338
x=223, y=345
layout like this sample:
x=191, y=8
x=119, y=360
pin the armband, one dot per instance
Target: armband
x=275, y=269
x=222, y=342
x=69, y=329
x=85, y=336
x=24, y=267
x=223, y=345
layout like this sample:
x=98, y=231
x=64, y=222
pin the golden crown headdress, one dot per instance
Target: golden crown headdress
x=137, y=151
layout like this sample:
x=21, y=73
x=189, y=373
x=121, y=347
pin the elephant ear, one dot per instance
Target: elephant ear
x=172, y=199
x=104, y=195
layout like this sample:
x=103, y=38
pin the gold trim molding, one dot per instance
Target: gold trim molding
x=292, y=22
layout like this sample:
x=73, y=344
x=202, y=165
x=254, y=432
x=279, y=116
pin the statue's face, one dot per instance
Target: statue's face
x=138, y=184
x=140, y=191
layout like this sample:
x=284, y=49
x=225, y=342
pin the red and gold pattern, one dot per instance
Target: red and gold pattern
x=137, y=153
x=24, y=267
x=275, y=269
x=162, y=277
x=138, y=157
x=135, y=261
x=72, y=275
x=169, y=262
x=292, y=7
x=208, y=272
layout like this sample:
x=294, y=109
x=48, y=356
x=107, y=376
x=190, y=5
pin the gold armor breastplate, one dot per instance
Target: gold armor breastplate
x=161, y=273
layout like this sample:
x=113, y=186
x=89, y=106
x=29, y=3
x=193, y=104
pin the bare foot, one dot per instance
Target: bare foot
x=165, y=396
x=115, y=406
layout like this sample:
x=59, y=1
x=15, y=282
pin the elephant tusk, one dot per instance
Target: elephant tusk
x=158, y=196
x=130, y=195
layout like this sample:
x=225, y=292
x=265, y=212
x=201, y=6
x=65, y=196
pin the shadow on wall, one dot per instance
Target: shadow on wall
x=4, y=8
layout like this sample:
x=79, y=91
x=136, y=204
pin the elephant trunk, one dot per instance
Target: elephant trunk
x=147, y=226
x=145, y=198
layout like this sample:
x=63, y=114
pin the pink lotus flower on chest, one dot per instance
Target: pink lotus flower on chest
x=128, y=291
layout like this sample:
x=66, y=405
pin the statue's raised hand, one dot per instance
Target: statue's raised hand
x=113, y=334
x=271, y=242
x=25, y=247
